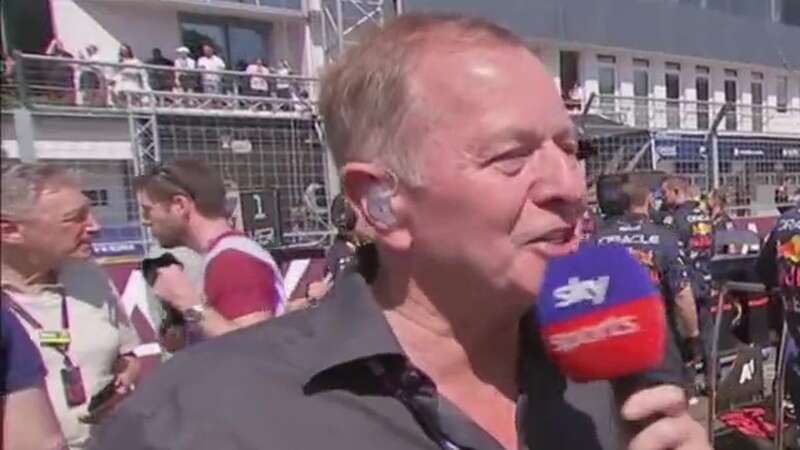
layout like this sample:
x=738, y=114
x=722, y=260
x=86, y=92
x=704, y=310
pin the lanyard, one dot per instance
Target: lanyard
x=27, y=317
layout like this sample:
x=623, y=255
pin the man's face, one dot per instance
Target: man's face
x=503, y=191
x=671, y=196
x=60, y=227
x=167, y=226
x=208, y=51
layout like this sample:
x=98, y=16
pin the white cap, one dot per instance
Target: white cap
x=182, y=49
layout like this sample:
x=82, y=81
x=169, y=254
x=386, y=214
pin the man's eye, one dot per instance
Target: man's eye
x=571, y=147
x=511, y=162
x=510, y=165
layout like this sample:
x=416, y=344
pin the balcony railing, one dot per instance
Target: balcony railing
x=686, y=115
x=285, y=4
x=43, y=82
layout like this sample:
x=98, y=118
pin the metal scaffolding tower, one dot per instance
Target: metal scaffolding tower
x=344, y=21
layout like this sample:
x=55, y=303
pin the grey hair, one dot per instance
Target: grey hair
x=367, y=98
x=23, y=183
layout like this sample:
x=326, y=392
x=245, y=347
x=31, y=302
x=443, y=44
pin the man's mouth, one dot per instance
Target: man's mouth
x=557, y=242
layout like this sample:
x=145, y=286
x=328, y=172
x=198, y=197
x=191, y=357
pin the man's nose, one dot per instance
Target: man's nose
x=559, y=179
x=92, y=225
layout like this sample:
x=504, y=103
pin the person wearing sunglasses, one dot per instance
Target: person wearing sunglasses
x=184, y=205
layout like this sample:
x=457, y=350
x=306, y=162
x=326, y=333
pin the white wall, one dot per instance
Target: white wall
x=79, y=23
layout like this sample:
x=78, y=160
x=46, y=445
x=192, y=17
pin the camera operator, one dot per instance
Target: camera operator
x=184, y=204
x=67, y=305
x=658, y=250
x=469, y=185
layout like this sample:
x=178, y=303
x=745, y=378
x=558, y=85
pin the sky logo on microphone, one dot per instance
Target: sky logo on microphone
x=577, y=291
x=600, y=315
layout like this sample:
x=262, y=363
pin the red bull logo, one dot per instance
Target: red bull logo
x=647, y=259
x=702, y=228
x=790, y=250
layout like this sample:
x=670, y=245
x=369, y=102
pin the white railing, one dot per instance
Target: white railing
x=687, y=115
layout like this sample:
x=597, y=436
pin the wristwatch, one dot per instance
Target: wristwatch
x=195, y=314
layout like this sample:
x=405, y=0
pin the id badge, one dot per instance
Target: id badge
x=54, y=338
x=72, y=380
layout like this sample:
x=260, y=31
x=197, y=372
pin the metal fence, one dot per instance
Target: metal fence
x=255, y=155
x=690, y=115
x=758, y=173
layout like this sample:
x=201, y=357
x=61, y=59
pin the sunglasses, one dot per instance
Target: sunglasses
x=168, y=175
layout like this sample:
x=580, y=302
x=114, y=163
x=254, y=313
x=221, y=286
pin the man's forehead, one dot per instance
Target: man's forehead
x=506, y=86
x=61, y=199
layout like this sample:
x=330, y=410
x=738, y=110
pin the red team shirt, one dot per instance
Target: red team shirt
x=238, y=283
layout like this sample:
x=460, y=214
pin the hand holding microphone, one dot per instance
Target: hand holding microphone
x=601, y=318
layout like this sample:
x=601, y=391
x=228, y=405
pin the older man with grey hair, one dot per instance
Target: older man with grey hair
x=67, y=304
x=455, y=148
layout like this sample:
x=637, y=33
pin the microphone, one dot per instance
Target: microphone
x=600, y=315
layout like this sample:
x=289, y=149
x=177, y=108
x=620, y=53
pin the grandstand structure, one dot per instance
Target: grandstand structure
x=705, y=88
x=268, y=145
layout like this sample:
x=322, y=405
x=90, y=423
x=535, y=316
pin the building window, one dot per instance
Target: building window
x=703, y=95
x=237, y=41
x=672, y=81
x=788, y=12
x=783, y=94
x=757, y=100
x=27, y=26
x=570, y=78
x=641, y=90
x=97, y=197
x=731, y=98
x=607, y=82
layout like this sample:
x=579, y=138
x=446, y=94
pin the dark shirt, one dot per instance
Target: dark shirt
x=658, y=250
x=21, y=365
x=695, y=231
x=655, y=246
x=160, y=80
x=779, y=266
x=335, y=377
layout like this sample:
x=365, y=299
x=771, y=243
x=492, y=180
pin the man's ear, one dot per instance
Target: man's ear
x=181, y=205
x=376, y=196
x=10, y=231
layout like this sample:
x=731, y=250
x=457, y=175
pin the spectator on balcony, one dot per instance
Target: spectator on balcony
x=129, y=78
x=91, y=79
x=283, y=86
x=184, y=81
x=57, y=75
x=161, y=80
x=258, y=72
x=212, y=82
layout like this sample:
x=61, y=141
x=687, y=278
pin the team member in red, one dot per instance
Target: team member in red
x=184, y=205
